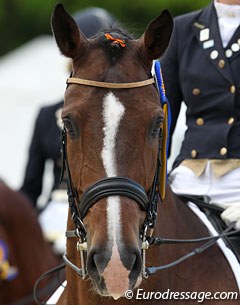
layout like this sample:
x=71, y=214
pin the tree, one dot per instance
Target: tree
x=21, y=20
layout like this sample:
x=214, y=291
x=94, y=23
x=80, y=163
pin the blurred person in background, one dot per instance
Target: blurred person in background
x=201, y=67
x=46, y=142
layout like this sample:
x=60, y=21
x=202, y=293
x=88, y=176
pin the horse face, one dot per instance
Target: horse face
x=112, y=133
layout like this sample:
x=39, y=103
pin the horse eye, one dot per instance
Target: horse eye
x=156, y=127
x=69, y=127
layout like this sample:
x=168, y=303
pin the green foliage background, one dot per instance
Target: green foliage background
x=21, y=20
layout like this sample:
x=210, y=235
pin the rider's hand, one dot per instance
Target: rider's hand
x=232, y=214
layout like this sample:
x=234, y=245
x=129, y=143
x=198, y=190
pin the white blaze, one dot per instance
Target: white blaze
x=113, y=111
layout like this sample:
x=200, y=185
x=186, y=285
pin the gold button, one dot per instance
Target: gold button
x=231, y=121
x=200, y=121
x=223, y=151
x=232, y=89
x=196, y=91
x=221, y=63
x=194, y=153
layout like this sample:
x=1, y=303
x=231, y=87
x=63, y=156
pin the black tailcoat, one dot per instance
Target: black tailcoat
x=45, y=145
x=197, y=71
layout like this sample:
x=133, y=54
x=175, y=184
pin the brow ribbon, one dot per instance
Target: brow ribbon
x=116, y=40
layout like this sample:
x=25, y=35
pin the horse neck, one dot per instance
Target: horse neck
x=25, y=235
x=168, y=210
x=174, y=221
x=28, y=251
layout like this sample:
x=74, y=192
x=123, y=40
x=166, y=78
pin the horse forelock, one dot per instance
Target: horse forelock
x=112, y=48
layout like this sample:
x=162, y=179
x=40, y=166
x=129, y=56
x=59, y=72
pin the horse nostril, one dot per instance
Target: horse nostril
x=136, y=264
x=96, y=262
x=91, y=264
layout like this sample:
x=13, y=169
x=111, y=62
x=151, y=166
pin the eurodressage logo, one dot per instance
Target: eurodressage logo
x=200, y=297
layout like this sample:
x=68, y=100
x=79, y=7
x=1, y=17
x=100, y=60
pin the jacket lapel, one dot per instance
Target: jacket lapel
x=234, y=40
x=211, y=43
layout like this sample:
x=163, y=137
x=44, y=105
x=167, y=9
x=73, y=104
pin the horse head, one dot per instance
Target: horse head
x=112, y=144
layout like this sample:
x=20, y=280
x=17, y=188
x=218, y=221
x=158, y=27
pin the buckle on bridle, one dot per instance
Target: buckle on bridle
x=144, y=248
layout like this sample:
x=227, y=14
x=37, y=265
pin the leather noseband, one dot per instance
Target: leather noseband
x=113, y=186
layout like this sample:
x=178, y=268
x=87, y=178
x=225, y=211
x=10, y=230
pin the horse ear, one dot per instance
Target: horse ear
x=68, y=36
x=156, y=37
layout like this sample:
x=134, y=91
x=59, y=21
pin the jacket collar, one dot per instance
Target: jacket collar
x=211, y=42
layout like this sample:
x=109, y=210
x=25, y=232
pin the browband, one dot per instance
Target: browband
x=86, y=82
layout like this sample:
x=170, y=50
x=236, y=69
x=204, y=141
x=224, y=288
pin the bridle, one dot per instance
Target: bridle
x=124, y=186
x=110, y=186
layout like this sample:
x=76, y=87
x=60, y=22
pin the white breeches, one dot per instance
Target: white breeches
x=224, y=190
x=53, y=221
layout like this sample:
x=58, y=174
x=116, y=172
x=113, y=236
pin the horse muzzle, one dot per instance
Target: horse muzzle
x=114, y=270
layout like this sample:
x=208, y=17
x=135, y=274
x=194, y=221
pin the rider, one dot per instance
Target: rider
x=45, y=144
x=201, y=67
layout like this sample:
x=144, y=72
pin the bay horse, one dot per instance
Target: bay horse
x=113, y=120
x=24, y=254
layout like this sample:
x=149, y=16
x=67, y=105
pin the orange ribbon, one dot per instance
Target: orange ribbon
x=115, y=40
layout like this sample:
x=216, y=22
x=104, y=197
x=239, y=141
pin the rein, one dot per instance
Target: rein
x=211, y=241
x=39, y=292
x=203, y=203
